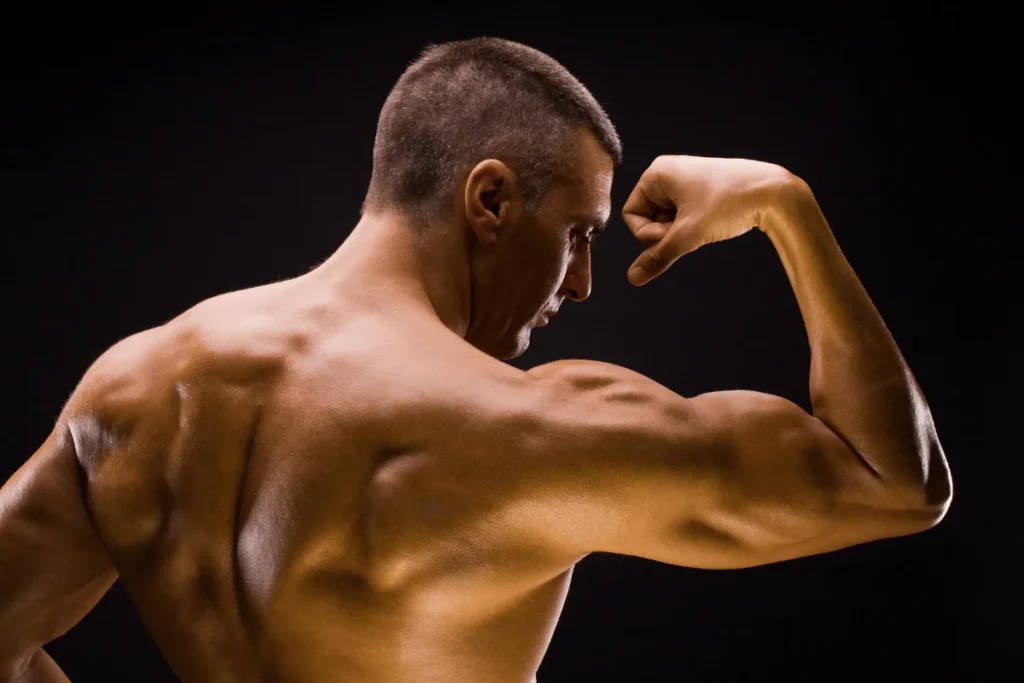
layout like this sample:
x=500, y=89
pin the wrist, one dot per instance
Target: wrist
x=790, y=206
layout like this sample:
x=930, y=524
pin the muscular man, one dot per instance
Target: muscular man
x=335, y=477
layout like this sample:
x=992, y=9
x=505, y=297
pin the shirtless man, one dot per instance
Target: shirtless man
x=335, y=477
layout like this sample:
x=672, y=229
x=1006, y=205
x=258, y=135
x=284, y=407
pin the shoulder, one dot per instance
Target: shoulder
x=128, y=384
x=125, y=374
x=574, y=420
x=585, y=377
x=601, y=397
x=219, y=340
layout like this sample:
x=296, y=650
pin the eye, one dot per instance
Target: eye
x=587, y=237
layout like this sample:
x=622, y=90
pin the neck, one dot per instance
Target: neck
x=388, y=258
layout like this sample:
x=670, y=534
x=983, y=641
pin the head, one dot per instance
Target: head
x=497, y=146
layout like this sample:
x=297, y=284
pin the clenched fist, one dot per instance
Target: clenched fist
x=682, y=203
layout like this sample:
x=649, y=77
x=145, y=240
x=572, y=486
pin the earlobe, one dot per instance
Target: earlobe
x=489, y=236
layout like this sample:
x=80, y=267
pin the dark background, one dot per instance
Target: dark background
x=150, y=161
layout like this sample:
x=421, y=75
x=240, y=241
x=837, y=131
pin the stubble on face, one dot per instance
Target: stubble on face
x=520, y=285
x=526, y=277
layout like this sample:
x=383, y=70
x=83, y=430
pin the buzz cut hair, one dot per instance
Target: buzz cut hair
x=464, y=101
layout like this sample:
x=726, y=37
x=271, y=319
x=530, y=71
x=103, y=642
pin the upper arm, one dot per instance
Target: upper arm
x=723, y=480
x=53, y=569
x=53, y=566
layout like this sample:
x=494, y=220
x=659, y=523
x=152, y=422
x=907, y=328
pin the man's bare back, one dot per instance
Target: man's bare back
x=314, y=512
x=321, y=479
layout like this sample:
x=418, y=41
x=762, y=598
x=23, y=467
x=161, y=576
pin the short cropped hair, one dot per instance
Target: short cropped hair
x=465, y=101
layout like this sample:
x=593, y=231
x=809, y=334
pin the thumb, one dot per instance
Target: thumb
x=651, y=263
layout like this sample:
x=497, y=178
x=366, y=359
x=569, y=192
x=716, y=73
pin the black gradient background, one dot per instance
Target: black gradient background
x=151, y=160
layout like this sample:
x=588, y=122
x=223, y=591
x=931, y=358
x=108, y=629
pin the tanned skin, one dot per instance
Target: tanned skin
x=335, y=477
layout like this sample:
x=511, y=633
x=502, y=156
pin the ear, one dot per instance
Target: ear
x=492, y=199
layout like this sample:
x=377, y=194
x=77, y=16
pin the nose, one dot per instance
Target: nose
x=577, y=283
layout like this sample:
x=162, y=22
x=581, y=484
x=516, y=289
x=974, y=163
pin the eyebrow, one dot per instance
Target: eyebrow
x=596, y=222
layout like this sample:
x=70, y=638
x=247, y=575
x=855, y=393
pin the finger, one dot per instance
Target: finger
x=657, y=258
x=652, y=233
x=650, y=230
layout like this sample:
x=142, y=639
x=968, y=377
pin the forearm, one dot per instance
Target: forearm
x=37, y=667
x=860, y=385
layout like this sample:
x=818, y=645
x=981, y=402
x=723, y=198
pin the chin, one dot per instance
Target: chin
x=510, y=347
x=512, y=344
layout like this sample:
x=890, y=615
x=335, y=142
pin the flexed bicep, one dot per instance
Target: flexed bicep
x=722, y=480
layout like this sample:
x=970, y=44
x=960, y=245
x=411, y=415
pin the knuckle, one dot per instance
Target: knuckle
x=652, y=170
x=660, y=163
x=778, y=174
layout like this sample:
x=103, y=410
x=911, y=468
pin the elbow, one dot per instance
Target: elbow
x=931, y=509
x=907, y=518
x=928, y=501
x=938, y=489
x=936, y=494
x=926, y=516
